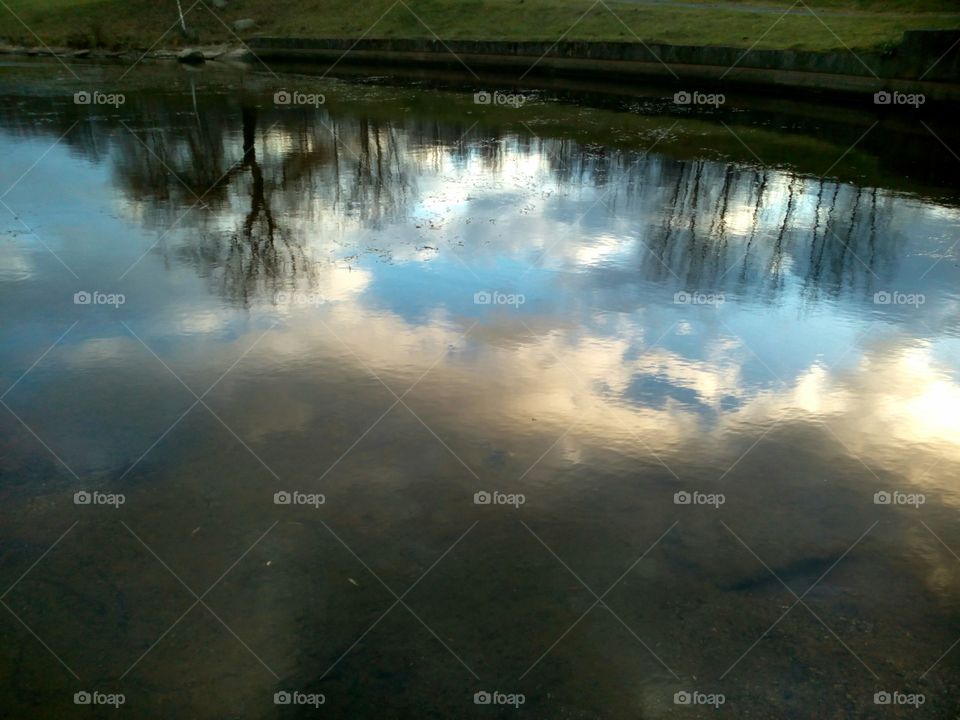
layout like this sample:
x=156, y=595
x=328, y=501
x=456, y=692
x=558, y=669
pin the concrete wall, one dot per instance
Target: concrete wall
x=923, y=62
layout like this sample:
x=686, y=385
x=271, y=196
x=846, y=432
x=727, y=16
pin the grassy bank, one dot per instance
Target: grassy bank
x=120, y=24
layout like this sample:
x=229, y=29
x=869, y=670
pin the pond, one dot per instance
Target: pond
x=372, y=400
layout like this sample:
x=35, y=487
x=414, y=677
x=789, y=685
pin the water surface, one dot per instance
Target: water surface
x=402, y=299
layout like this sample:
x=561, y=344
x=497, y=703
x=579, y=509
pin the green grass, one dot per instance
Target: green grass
x=856, y=24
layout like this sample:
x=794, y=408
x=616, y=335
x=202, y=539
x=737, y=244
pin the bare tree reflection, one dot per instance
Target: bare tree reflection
x=257, y=198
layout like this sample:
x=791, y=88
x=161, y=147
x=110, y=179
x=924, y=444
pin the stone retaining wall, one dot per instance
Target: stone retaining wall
x=925, y=61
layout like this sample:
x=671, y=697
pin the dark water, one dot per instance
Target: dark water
x=300, y=312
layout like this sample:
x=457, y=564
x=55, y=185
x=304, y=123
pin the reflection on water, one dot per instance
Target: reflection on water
x=312, y=301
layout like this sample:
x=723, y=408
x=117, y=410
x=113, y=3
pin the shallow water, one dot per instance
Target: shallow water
x=401, y=299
